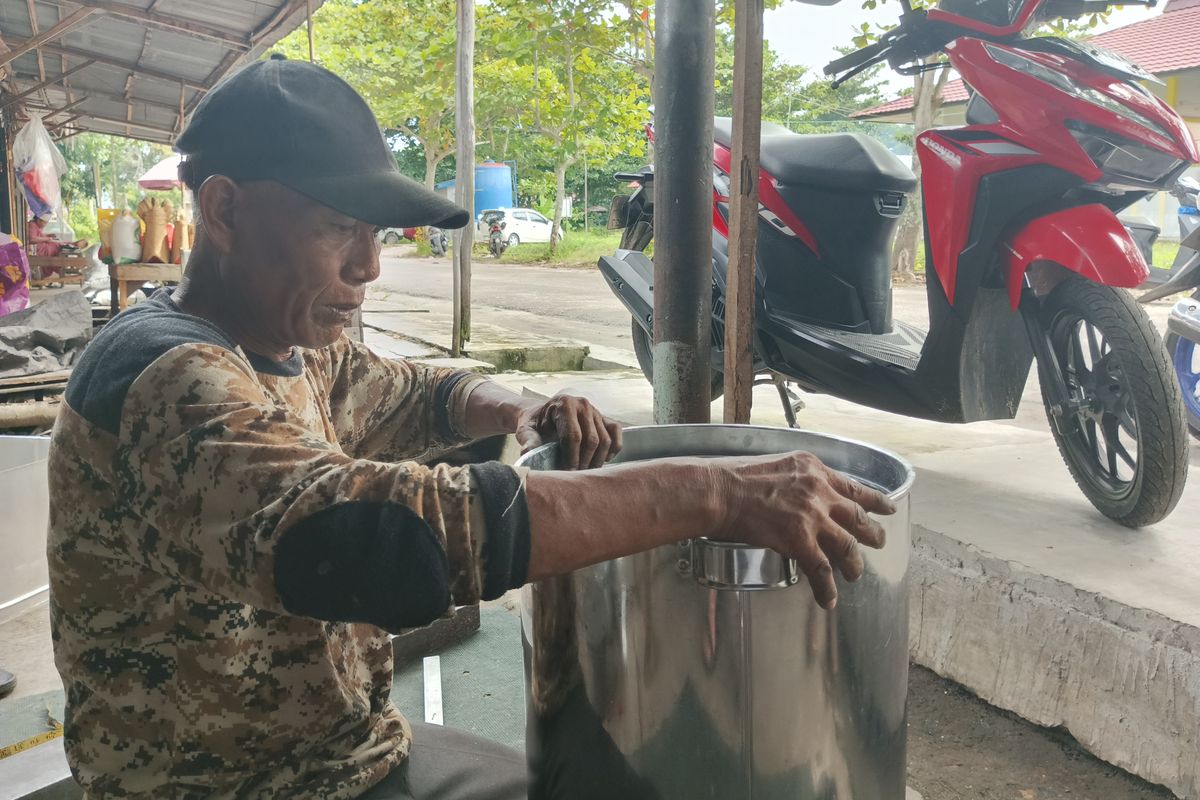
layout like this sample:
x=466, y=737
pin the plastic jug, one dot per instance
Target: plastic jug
x=125, y=246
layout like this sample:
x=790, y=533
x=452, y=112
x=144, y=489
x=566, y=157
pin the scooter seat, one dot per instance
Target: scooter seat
x=849, y=161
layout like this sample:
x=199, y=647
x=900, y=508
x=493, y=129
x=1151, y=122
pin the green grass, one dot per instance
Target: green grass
x=577, y=249
x=1164, y=253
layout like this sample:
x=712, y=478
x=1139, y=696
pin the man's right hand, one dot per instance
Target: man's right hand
x=791, y=503
x=800, y=508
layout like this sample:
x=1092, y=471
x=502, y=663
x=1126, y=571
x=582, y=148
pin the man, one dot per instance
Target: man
x=237, y=520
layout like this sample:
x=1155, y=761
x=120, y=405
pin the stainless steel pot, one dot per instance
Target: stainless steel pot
x=707, y=670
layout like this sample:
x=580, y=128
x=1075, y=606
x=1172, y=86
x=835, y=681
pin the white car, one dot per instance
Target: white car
x=520, y=225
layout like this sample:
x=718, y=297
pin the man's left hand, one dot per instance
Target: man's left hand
x=586, y=437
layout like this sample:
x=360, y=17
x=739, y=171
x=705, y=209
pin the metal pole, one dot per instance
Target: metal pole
x=743, y=212
x=683, y=100
x=586, y=203
x=464, y=182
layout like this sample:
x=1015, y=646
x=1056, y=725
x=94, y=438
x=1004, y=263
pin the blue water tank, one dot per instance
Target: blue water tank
x=493, y=186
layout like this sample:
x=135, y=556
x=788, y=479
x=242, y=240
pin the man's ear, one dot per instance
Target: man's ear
x=217, y=203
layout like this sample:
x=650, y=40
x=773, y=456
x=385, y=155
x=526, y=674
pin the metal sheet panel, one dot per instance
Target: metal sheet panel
x=23, y=572
x=158, y=56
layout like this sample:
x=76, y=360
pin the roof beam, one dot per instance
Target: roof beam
x=19, y=49
x=128, y=123
x=120, y=98
x=43, y=84
x=225, y=36
x=33, y=29
x=64, y=123
x=129, y=66
x=68, y=107
x=277, y=19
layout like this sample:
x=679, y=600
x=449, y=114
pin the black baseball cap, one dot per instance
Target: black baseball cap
x=300, y=125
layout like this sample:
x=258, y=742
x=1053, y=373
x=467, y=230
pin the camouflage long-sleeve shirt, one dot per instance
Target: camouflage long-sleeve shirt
x=231, y=538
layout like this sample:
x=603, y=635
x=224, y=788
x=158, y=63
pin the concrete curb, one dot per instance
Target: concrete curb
x=532, y=358
x=1124, y=681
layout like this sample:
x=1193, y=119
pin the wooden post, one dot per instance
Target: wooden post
x=464, y=183
x=308, y=19
x=743, y=215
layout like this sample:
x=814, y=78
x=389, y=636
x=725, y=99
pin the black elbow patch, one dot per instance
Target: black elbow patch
x=370, y=562
x=506, y=546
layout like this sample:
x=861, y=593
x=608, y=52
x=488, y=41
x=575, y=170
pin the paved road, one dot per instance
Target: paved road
x=572, y=303
x=577, y=304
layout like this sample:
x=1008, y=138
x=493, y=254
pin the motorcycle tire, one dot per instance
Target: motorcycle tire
x=643, y=348
x=1123, y=390
x=1185, y=357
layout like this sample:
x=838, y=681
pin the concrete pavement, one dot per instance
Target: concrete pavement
x=1021, y=591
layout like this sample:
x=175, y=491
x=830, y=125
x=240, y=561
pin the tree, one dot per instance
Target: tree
x=583, y=102
x=399, y=55
x=796, y=99
x=102, y=171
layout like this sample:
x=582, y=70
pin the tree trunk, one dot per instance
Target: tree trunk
x=96, y=182
x=431, y=165
x=560, y=189
x=927, y=101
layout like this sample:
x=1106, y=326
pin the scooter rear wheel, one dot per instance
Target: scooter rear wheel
x=643, y=348
x=1123, y=434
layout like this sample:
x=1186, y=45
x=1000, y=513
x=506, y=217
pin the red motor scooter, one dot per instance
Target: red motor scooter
x=1025, y=256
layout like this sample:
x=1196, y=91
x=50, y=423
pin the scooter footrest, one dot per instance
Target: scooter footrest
x=901, y=347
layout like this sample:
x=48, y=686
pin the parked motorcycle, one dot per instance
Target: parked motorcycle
x=1182, y=341
x=439, y=243
x=497, y=241
x=1025, y=255
x=1186, y=192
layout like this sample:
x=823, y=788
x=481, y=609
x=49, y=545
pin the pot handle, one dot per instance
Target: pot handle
x=734, y=566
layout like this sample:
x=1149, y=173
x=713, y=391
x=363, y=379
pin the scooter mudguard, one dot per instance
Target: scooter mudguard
x=630, y=274
x=1087, y=240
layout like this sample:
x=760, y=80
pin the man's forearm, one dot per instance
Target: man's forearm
x=582, y=518
x=491, y=410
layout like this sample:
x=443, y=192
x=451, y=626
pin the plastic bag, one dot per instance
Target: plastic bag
x=14, y=278
x=38, y=165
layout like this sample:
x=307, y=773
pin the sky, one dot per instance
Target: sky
x=809, y=35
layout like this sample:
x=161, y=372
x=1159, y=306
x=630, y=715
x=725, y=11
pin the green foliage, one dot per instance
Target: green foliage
x=400, y=56
x=865, y=34
x=802, y=102
x=97, y=162
x=577, y=249
x=102, y=171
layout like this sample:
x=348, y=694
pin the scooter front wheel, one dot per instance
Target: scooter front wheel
x=1185, y=357
x=1121, y=431
x=643, y=348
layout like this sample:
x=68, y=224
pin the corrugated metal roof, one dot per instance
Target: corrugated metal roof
x=127, y=67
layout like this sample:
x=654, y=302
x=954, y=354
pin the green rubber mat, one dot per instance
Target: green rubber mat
x=29, y=718
x=482, y=689
x=483, y=682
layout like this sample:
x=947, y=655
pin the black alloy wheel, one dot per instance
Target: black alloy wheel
x=1122, y=432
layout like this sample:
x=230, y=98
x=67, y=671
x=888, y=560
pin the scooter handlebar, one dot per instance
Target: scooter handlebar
x=858, y=57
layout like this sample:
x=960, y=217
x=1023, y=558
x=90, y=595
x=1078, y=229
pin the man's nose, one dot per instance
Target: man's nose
x=363, y=265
